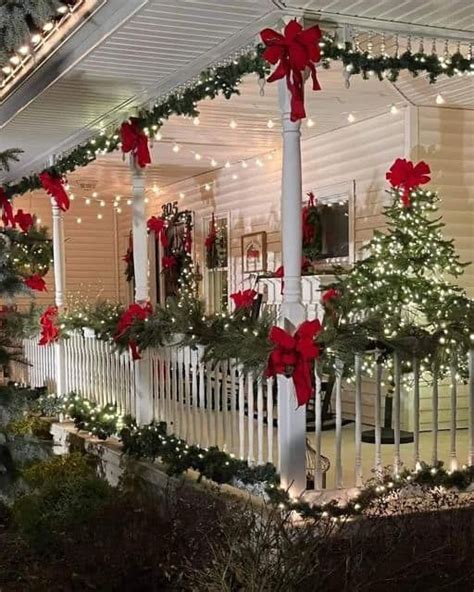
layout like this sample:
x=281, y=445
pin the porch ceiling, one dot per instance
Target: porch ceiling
x=215, y=139
x=137, y=50
x=147, y=47
x=441, y=17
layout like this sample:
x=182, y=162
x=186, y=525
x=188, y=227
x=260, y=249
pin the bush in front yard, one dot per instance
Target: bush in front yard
x=66, y=493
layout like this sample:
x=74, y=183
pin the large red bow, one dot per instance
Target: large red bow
x=24, y=220
x=295, y=50
x=292, y=356
x=158, y=225
x=37, y=283
x=243, y=299
x=404, y=174
x=135, y=312
x=53, y=185
x=134, y=140
x=7, y=209
x=49, y=331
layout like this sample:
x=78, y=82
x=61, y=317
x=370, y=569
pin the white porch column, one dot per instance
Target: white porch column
x=144, y=405
x=291, y=421
x=59, y=289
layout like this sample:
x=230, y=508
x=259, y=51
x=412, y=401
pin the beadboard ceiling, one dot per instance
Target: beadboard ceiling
x=143, y=48
x=439, y=16
x=149, y=47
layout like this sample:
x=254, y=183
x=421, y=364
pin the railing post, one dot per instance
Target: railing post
x=143, y=394
x=59, y=290
x=291, y=420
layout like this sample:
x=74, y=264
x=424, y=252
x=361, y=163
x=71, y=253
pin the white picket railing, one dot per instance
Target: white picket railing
x=219, y=405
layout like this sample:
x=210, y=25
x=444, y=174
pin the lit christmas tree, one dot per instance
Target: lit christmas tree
x=401, y=292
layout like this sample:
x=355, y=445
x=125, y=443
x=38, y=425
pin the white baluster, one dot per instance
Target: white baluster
x=260, y=422
x=416, y=411
x=358, y=420
x=396, y=412
x=453, y=422
x=241, y=413
x=434, y=458
x=270, y=420
x=338, y=472
x=318, y=474
x=250, y=419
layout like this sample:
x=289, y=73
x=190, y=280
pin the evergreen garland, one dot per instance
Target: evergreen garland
x=152, y=442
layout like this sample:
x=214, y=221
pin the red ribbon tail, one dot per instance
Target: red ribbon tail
x=297, y=96
x=303, y=383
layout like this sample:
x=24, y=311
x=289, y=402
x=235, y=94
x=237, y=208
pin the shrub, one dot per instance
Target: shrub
x=30, y=425
x=67, y=493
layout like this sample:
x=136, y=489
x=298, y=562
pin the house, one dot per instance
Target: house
x=224, y=167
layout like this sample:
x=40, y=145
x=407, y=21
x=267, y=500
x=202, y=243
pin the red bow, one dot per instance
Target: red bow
x=37, y=283
x=134, y=140
x=330, y=295
x=49, y=331
x=53, y=185
x=159, y=225
x=212, y=236
x=292, y=356
x=133, y=313
x=24, y=220
x=243, y=299
x=295, y=50
x=7, y=209
x=404, y=174
x=168, y=262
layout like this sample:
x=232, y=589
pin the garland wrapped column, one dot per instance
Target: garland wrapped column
x=292, y=419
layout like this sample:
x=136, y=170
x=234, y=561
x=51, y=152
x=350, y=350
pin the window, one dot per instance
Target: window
x=217, y=264
x=336, y=214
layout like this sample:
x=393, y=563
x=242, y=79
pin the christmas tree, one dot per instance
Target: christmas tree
x=402, y=293
x=25, y=257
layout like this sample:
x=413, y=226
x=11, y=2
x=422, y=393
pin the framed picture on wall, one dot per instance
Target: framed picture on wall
x=254, y=252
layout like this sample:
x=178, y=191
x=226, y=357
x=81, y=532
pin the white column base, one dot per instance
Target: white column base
x=292, y=438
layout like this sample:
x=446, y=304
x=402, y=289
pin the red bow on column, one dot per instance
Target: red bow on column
x=135, y=312
x=158, y=225
x=53, y=185
x=243, y=299
x=295, y=50
x=7, y=209
x=134, y=140
x=292, y=356
x=49, y=331
x=24, y=220
x=37, y=283
x=404, y=174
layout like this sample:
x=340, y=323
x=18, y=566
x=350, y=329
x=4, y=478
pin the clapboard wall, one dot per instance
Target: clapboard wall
x=92, y=266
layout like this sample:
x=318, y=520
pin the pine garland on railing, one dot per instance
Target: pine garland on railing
x=152, y=442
